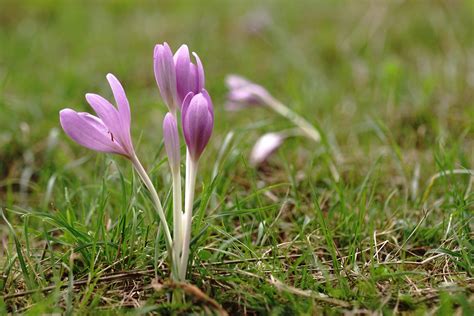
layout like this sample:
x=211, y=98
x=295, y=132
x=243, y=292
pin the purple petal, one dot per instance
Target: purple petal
x=183, y=72
x=193, y=79
x=171, y=139
x=88, y=131
x=186, y=102
x=165, y=75
x=107, y=113
x=200, y=78
x=120, y=99
x=209, y=102
x=123, y=111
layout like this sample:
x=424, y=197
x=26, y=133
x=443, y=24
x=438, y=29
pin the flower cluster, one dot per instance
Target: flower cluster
x=181, y=85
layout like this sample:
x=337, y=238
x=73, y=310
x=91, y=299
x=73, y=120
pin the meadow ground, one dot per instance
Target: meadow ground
x=390, y=84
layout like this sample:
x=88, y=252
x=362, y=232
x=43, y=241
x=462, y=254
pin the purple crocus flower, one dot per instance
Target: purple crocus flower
x=197, y=121
x=176, y=75
x=244, y=93
x=109, y=131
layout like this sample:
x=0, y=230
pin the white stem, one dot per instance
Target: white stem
x=191, y=171
x=299, y=121
x=156, y=200
x=177, y=217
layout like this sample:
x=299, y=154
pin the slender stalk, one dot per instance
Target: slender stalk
x=156, y=199
x=177, y=217
x=299, y=121
x=191, y=171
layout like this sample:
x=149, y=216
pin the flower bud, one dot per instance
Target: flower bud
x=197, y=121
x=171, y=139
x=165, y=75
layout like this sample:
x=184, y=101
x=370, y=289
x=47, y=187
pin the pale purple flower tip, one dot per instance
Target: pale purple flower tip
x=244, y=93
x=265, y=146
x=197, y=121
x=171, y=139
x=165, y=75
x=110, y=131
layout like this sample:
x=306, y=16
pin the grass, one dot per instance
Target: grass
x=390, y=85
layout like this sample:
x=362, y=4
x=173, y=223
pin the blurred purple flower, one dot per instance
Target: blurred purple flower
x=197, y=121
x=176, y=75
x=244, y=93
x=109, y=131
x=265, y=146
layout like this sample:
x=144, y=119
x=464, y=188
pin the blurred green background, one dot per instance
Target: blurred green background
x=408, y=63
